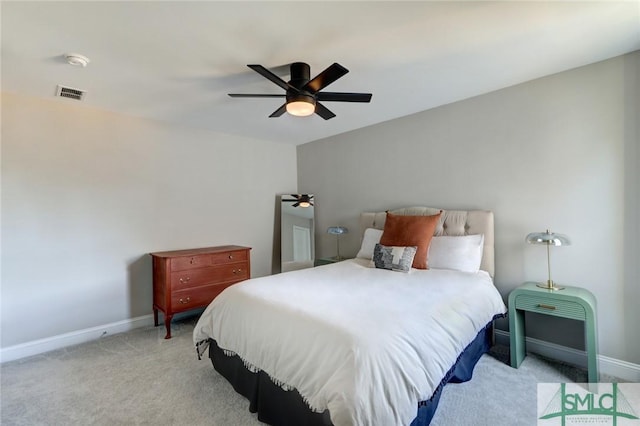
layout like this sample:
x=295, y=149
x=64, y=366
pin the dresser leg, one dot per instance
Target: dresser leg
x=155, y=317
x=167, y=324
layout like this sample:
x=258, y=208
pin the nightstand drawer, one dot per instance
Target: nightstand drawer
x=549, y=306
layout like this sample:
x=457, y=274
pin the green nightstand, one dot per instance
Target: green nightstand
x=572, y=302
x=328, y=260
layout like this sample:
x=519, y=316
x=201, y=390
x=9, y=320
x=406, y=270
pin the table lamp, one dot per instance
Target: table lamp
x=548, y=238
x=337, y=231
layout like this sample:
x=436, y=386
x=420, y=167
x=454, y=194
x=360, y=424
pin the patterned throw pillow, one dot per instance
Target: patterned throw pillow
x=393, y=258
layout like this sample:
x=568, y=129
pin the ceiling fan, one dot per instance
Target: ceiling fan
x=302, y=93
x=301, y=200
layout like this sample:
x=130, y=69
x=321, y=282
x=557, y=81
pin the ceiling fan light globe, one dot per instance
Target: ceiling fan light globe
x=300, y=108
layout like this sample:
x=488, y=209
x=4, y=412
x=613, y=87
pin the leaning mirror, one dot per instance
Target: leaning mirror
x=297, y=250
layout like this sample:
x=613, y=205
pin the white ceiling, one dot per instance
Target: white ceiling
x=176, y=61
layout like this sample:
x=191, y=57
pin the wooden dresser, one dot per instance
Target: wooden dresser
x=190, y=279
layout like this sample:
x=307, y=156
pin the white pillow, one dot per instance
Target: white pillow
x=463, y=253
x=371, y=238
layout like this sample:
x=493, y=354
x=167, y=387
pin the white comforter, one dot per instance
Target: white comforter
x=367, y=344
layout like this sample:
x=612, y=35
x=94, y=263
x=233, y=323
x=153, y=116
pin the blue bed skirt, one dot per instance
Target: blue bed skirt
x=276, y=406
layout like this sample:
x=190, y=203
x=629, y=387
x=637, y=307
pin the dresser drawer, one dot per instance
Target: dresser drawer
x=229, y=257
x=204, y=260
x=184, y=300
x=197, y=277
x=190, y=262
x=549, y=306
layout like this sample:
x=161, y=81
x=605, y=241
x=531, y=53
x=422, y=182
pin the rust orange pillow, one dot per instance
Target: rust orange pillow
x=410, y=231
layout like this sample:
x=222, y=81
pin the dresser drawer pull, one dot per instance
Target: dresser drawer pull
x=230, y=256
x=185, y=280
x=552, y=308
x=237, y=271
x=192, y=261
x=185, y=301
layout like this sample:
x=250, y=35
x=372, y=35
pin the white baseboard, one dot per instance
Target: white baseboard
x=610, y=366
x=73, y=338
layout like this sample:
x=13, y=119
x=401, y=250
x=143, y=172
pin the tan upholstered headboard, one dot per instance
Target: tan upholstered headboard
x=452, y=222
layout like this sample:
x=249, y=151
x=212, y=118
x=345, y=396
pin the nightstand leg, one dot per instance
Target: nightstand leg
x=592, y=347
x=516, y=337
x=492, y=332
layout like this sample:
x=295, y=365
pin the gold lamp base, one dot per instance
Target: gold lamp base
x=550, y=285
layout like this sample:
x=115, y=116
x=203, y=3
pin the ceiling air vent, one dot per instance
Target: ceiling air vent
x=68, y=92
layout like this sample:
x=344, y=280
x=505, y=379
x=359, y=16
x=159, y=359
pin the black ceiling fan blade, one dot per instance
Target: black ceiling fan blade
x=325, y=78
x=323, y=111
x=255, y=95
x=299, y=199
x=343, y=97
x=279, y=111
x=271, y=76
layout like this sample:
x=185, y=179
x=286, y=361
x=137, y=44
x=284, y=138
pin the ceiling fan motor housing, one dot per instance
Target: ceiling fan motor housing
x=300, y=74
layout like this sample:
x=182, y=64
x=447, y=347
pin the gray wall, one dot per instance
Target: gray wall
x=86, y=195
x=560, y=152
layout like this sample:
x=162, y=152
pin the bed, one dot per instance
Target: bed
x=353, y=343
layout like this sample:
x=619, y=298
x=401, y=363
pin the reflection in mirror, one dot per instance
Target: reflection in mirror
x=297, y=231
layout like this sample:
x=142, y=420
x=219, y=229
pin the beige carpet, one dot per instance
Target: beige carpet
x=139, y=378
